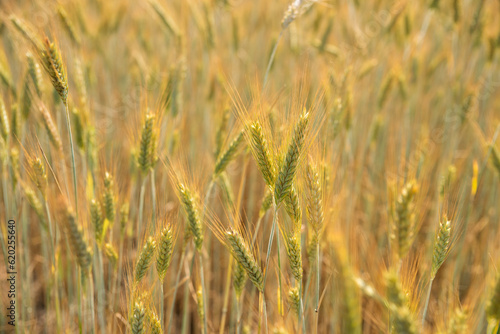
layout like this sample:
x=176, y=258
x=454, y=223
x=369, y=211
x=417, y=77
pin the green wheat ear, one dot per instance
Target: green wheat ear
x=292, y=206
x=226, y=157
x=192, y=211
x=404, y=321
x=289, y=166
x=97, y=219
x=458, y=322
x=239, y=279
x=39, y=175
x=495, y=158
x=245, y=258
x=147, y=151
x=314, y=204
x=124, y=212
x=395, y=293
x=441, y=246
x=154, y=323
x=77, y=244
x=164, y=252
x=145, y=259
x=261, y=152
x=52, y=131
x=493, y=308
x=267, y=202
x=4, y=121
x=137, y=320
x=111, y=253
x=35, y=204
x=294, y=250
x=109, y=198
x=294, y=299
x=404, y=218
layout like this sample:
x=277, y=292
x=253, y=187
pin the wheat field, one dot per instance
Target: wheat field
x=231, y=166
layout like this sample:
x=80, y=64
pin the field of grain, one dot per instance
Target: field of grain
x=232, y=166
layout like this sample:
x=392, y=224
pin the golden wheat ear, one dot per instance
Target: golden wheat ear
x=54, y=67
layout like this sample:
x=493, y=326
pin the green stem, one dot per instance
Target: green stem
x=79, y=298
x=56, y=283
x=141, y=209
x=176, y=287
x=427, y=302
x=162, y=297
x=280, y=301
x=153, y=199
x=271, y=59
x=316, y=310
x=73, y=166
x=226, y=296
x=301, y=311
x=91, y=301
x=203, y=290
x=270, y=243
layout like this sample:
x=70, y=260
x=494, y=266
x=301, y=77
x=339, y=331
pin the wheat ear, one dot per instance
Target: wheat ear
x=404, y=218
x=289, y=167
x=164, y=251
x=109, y=198
x=4, y=121
x=261, y=152
x=193, y=215
x=226, y=157
x=147, y=150
x=145, y=259
x=154, y=323
x=52, y=63
x=245, y=258
x=137, y=321
x=77, y=244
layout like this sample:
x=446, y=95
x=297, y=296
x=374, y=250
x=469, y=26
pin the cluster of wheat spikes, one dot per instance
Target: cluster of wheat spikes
x=215, y=166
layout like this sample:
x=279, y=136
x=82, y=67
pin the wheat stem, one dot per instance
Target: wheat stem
x=427, y=298
x=73, y=166
x=56, y=283
x=271, y=59
x=141, y=208
x=176, y=287
x=203, y=289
